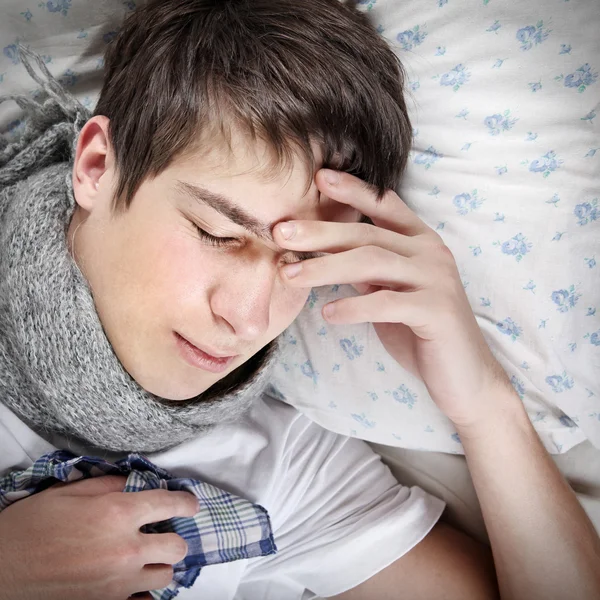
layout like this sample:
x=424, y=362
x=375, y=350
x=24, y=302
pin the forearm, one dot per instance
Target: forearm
x=543, y=543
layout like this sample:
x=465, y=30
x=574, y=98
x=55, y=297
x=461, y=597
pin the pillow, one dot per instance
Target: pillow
x=71, y=35
x=503, y=99
x=506, y=167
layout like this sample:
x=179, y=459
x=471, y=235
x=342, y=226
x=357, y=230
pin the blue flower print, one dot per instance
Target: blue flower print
x=373, y=396
x=591, y=152
x=587, y=212
x=581, y=78
x=466, y=147
x=565, y=49
x=312, y=298
x=554, y=200
x=456, y=77
x=466, y=202
x=590, y=262
x=289, y=338
x=518, y=385
x=15, y=128
x=442, y=3
x=428, y=158
x=589, y=117
x=274, y=392
x=476, y=250
x=546, y=164
x=69, y=78
x=530, y=287
x=411, y=38
x=565, y=299
x=501, y=169
x=362, y=419
x=12, y=52
x=567, y=422
x=27, y=15
x=494, y=27
x=532, y=36
x=595, y=338
x=351, y=348
x=456, y=438
x=497, y=123
x=308, y=370
x=462, y=114
x=57, y=6
x=560, y=383
x=404, y=395
x=558, y=236
x=435, y=191
x=535, y=86
x=499, y=217
x=440, y=51
x=485, y=302
x=510, y=328
x=591, y=311
x=322, y=331
x=499, y=62
x=531, y=137
x=518, y=246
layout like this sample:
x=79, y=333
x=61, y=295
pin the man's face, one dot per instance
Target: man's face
x=155, y=280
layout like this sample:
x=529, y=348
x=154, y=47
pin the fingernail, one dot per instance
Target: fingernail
x=288, y=230
x=331, y=177
x=293, y=270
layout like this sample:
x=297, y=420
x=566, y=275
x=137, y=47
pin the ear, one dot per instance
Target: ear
x=93, y=167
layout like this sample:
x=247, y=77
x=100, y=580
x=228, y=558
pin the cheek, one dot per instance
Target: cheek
x=287, y=305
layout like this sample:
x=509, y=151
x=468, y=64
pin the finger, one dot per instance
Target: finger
x=165, y=548
x=154, y=577
x=327, y=236
x=151, y=506
x=389, y=212
x=368, y=264
x=94, y=486
x=383, y=306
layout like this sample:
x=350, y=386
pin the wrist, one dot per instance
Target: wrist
x=504, y=410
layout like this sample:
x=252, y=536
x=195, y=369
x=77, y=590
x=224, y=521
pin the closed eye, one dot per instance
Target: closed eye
x=214, y=240
x=291, y=256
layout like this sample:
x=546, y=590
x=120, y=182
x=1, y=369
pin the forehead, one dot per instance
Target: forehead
x=247, y=172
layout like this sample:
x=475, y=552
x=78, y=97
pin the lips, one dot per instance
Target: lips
x=203, y=358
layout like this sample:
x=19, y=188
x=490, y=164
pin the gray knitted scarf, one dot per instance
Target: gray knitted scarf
x=58, y=371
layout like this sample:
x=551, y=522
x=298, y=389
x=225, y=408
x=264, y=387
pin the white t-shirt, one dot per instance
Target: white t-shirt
x=338, y=514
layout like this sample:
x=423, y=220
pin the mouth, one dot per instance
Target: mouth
x=202, y=358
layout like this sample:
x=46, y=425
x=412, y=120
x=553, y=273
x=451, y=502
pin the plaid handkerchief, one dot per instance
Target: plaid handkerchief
x=227, y=528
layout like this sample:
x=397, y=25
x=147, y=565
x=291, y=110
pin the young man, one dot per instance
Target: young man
x=143, y=282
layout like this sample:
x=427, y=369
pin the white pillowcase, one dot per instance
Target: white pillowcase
x=503, y=99
x=506, y=167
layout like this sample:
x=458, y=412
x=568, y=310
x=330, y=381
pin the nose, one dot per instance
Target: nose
x=243, y=299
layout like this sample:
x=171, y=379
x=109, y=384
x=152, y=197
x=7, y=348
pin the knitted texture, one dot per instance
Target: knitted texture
x=58, y=371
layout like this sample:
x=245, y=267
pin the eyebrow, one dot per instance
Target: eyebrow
x=226, y=207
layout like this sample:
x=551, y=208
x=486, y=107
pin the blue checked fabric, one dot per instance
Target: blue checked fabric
x=227, y=528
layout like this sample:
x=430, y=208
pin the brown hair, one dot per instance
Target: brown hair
x=286, y=71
